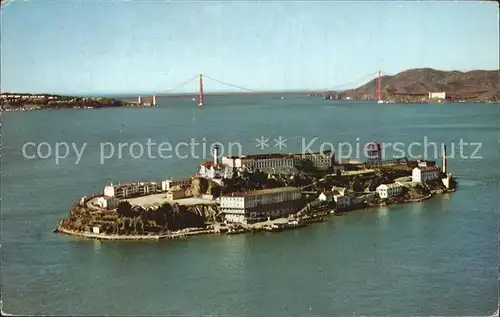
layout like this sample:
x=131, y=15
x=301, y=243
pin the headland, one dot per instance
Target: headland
x=29, y=102
x=270, y=192
x=427, y=85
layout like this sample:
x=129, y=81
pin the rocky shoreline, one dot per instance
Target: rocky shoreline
x=158, y=217
x=100, y=236
x=215, y=229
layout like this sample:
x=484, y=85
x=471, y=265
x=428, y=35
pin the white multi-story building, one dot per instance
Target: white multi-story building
x=389, y=190
x=169, y=183
x=260, y=205
x=321, y=161
x=437, y=95
x=122, y=191
x=108, y=202
x=424, y=174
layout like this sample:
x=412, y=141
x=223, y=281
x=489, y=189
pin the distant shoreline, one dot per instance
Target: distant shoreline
x=30, y=107
x=17, y=102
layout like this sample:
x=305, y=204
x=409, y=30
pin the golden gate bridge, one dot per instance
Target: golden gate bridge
x=200, y=95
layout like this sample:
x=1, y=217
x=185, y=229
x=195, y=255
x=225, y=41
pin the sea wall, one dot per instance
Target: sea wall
x=151, y=237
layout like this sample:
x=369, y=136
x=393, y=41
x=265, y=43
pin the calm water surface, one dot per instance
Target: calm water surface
x=433, y=258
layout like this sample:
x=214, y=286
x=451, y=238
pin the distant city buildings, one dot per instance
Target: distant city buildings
x=437, y=95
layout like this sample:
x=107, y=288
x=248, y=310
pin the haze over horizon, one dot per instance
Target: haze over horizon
x=144, y=47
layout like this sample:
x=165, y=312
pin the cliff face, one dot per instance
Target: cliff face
x=200, y=186
x=477, y=84
x=128, y=220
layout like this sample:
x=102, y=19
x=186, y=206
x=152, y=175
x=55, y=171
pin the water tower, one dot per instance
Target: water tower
x=374, y=154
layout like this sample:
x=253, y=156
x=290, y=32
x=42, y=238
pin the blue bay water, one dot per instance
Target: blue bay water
x=439, y=257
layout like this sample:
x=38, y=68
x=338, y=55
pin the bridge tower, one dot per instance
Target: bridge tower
x=200, y=96
x=379, y=90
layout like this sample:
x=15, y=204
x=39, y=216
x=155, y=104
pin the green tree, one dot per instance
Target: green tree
x=124, y=209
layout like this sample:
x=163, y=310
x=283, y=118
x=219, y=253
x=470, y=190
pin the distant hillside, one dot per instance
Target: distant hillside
x=417, y=83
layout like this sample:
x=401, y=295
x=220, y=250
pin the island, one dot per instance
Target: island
x=27, y=102
x=252, y=193
x=426, y=85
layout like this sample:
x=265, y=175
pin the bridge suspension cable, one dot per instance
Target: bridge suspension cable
x=354, y=82
x=182, y=84
x=227, y=84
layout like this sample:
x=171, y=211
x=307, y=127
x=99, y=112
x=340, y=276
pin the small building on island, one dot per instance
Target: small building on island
x=425, y=163
x=423, y=174
x=175, y=194
x=343, y=201
x=339, y=195
x=107, y=202
x=389, y=190
x=437, y=95
x=326, y=196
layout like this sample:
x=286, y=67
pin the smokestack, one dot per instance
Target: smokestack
x=215, y=155
x=444, y=159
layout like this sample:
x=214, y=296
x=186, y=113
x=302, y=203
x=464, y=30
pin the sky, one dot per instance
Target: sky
x=111, y=47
